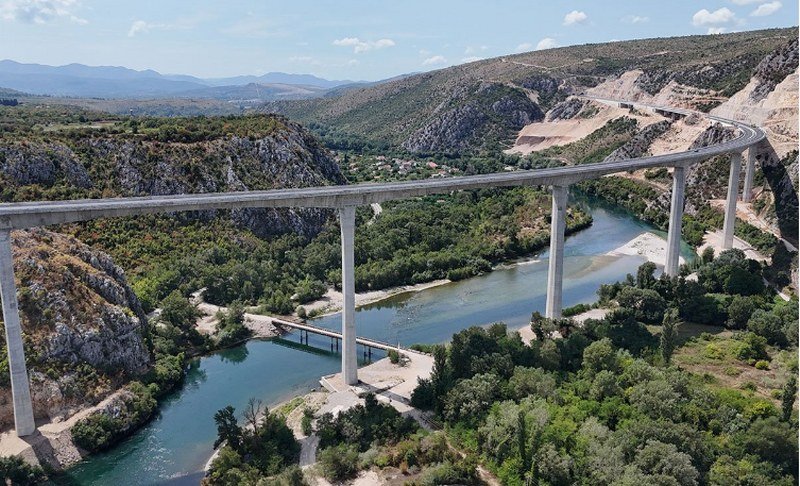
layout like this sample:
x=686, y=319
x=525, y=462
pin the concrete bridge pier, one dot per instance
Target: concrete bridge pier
x=730, y=202
x=749, y=174
x=20, y=388
x=555, y=274
x=347, y=220
x=675, y=220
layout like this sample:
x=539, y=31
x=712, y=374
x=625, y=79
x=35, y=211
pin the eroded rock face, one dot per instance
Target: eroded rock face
x=774, y=68
x=109, y=166
x=458, y=125
x=79, y=318
x=639, y=145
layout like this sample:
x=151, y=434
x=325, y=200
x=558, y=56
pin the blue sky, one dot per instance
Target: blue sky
x=346, y=39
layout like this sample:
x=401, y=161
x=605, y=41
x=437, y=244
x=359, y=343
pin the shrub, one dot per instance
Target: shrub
x=762, y=364
x=339, y=463
x=394, y=356
x=14, y=470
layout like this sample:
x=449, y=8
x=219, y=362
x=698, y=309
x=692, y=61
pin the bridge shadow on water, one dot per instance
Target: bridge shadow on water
x=320, y=347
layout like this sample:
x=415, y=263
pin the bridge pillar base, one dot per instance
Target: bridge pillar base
x=347, y=219
x=20, y=388
x=675, y=220
x=730, y=203
x=555, y=274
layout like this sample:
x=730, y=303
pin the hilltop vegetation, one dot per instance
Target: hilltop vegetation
x=474, y=106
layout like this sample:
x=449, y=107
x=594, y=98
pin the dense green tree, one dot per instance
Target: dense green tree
x=648, y=305
x=228, y=430
x=669, y=334
x=178, y=311
x=788, y=396
x=645, y=278
x=767, y=325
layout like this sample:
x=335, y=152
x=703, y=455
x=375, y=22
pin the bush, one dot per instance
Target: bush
x=767, y=325
x=306, y=421
x=339, y=463
x=14, y=470
x=575, y=310
x=762, y=364
x=750, y=346
x=394, y=356
x=648, y=305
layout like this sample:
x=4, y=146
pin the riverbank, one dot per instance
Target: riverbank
x=647, y=245
x=333, y=300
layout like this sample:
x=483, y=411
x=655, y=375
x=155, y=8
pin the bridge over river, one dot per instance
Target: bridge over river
x=347, y=198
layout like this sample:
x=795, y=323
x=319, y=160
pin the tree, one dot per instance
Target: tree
x=788, y=396
x=648, y=305
x=644, y=275
x=227, y=428
x=739, y=311
x=707, y=256
x=178, y=311
x=669, y=334
x=471, y=398
x=767, y=325
x=599, y=356
x=339, y=463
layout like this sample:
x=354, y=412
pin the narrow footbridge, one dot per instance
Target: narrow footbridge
x=347, y=198
x=368, y=343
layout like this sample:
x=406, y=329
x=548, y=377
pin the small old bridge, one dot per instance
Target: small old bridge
x=346, y=199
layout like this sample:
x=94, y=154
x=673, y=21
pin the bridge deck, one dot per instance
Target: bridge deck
x=373, y=343
x=44, y=213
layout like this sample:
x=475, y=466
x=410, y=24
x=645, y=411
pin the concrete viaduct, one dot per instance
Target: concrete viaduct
x=345, y=199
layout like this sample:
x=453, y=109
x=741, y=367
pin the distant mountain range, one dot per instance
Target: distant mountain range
x=78, y=80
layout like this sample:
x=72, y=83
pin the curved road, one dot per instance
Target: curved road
x=31, y=214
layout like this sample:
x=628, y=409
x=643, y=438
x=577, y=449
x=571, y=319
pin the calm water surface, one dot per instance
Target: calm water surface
x=173, y=448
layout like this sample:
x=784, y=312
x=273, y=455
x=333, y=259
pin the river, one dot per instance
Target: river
x=175, y=445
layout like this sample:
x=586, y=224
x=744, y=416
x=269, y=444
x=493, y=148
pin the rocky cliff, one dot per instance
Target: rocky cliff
x=161, y=163
x=83, y=326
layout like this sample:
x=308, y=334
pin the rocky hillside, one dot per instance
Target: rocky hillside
x=84, y=328
x=476, y=106
x=177, y=156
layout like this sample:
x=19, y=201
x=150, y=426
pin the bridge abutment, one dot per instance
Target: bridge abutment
x=675, y=221
x=730, y=202
x=20, y=388
x=555, y=274
x=347, y=220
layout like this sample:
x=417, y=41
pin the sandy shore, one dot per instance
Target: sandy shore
x=332, y=301
x=647, y=245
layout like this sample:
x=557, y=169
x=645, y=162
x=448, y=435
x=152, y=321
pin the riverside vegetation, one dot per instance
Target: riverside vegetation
x=621, y=400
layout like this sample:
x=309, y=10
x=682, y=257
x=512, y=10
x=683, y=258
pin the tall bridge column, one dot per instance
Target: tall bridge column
x=675, y=219
x=730, y=203
x=555, y=274
x=749, y=174
x=347, y=220
x=20, y=389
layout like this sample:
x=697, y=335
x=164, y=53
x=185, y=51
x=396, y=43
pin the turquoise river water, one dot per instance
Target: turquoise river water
x=175, y=445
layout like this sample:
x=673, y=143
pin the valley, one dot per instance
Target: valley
x=109, y=306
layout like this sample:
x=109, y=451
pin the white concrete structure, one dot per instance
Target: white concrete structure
x=730, y=202
x=347, y=221
x=20, y=389
x=675, y=217
x=346, y=199
x=555, y=273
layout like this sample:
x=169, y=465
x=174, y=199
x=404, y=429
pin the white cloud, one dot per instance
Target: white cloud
x=473, y=50
x=745, y=2
x=434, y=61
x=635, y=19
x=524, y=47
x=471, y=59
x=767, y=9
x=546, y=43
x=138, y=27
x=717, y=30
x=360, y=46
x=703, y=17
x=39, y=11
x=575, y=17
